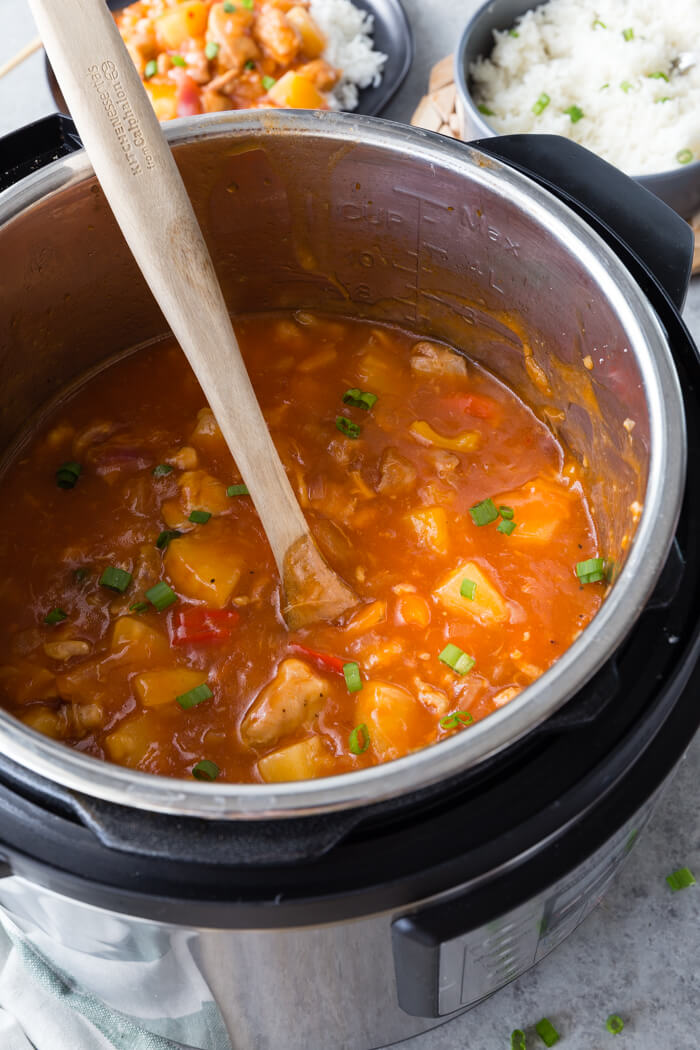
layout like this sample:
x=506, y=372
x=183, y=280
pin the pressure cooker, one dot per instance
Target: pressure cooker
x=408, y=892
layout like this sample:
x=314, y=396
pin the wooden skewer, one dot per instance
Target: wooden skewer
x=18, y=59
x=140, y=180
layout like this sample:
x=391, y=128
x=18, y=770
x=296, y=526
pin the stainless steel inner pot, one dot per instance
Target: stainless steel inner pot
x=358, y=216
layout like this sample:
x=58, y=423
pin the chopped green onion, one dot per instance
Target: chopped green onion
x=614, y=1024
x=249, y=64
x=177, y=60
x=684, y=156
x=506, y=527
x=161, y=470
x=165, y=537
x=359, y=399
x=592, y=577
x=681, y=879
x=161, y=595
x=55, y=616
x=590, y=567
x=205, y=770
x=547, y=1032
x=506, y=512
x=467, y=588
x=237, y=490
x=626, y=86
x=358, y=741
x=248, y=4
x=457, y=718
x=115, y=579
x=352, y=677
x=456, y=658
x=628, y=34
x=211, y=49
x=604, y=86
x=138, y=607
x=657, y=76
x=513, y=32
x=268, y=82
x=517, y=1040
x=81, y=574
x=485, y=110
x=200, y=517
x=229, y=8
x=67, y=475
x=151, y=69
x=575, y=113
x=194, y=696
x=347, y=427
x=541, y=104
x=484, y=513
x=598, y=22
x=666, y=98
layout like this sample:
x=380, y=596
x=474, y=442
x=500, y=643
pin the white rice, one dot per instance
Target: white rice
x=637, y=121
x=349, y=34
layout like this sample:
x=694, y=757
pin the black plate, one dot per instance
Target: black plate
x=392, y=35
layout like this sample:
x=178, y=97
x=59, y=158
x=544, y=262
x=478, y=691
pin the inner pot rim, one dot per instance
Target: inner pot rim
x=647, y=552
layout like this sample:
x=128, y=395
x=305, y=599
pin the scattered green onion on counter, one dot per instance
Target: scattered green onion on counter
x=547, y=1032
x=116, y=579
x=161, y=595
x=194, y=696
x=353, y=681
x=67, y=475
x=55, y=616
x=614, y=1024
x=456, y=659
x=205, y=769
x=359, y=398
x=517, y=1040
x=681, y=879
x=358, y=741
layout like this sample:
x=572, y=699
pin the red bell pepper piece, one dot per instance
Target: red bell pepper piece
x=199, y=624
x=187, y=100
x=471, y=405
x=324, y=661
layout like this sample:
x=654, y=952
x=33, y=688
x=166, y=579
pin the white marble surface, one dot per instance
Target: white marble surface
x=637, y=954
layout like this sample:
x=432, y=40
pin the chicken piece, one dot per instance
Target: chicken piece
x=291, y=700
x=433, y=359
x=434, y=699
x=184, y=459
x=487, y=606
x=443, y=463
x=396, y=473
x=321, y=74
x=303, y=761
x=207, y=436
x=66, y=648
x=230, y=30
x=277, y=36
x=506, y=695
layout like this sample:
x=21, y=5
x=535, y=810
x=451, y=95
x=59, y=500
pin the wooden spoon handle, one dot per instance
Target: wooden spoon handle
x=145, y=191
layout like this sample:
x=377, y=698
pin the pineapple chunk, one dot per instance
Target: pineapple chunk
x=487, y=606
x=47, y=720
x=303, y=761
x=137, y=643
x=313, y=42
x=377, y=370
x=291, y=700
x=129, y=743
x=390, y=713
x=432, y=359
x=201, y=491
x=202, y=566
x=207, y=435
x=430, y=527
x=177, y=24
x=541, y=508
x=155, y=688
x=163, y=99
x=467, y=441
x=293, y=91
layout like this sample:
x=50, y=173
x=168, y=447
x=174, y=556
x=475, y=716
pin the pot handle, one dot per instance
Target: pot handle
x=36, y=145
x=627, y=216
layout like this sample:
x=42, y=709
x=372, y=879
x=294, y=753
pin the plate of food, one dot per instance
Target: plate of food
x=204, y=56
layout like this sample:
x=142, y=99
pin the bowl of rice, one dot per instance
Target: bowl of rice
x=620, y=77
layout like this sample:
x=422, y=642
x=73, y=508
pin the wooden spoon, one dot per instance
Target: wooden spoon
x=145, y=191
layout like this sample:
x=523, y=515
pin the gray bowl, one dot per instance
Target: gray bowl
x=679, y=188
